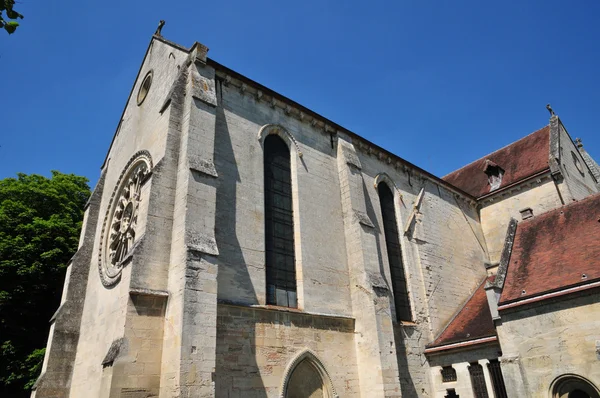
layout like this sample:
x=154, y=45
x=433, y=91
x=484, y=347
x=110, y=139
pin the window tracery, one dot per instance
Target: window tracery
x=120, y=232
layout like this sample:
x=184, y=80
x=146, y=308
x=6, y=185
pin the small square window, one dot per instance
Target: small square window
x=448, y=374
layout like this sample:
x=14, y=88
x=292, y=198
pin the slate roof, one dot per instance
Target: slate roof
x=554, y=250
x=519, y=160
x=473, y=321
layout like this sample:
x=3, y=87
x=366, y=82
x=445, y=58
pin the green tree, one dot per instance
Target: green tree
x=9, y=23
x=40, y=221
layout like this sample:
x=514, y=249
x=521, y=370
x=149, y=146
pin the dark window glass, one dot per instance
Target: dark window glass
x=478, y=381
x=497, y=379
x=451, y=393
x=279, y=224
x=392, y=242
x=448, y=374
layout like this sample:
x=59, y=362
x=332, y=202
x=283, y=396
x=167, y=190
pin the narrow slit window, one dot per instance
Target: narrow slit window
x=497, y=379
x=394, y=251
x=478, y=381
x=279, y=224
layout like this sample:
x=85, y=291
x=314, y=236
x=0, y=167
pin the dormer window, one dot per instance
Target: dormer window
x=494, y=173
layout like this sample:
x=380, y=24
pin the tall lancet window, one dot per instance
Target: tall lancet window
x=279, y=224
x=392, y=242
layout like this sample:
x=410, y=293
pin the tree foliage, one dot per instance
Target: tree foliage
x=40, y=221
x=9, y=23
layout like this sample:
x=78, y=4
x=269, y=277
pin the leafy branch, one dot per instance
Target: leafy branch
x=9, y=23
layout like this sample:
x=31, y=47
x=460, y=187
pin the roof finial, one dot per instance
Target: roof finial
x=578, y=142
x=550, y=110
x=160, y=26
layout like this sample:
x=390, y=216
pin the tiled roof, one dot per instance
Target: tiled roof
x=473, y=321
x=519, y=160
x=554, y=251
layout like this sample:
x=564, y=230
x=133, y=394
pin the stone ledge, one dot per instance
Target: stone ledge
x=140, y=291
x=276, y=308
x=114, y=350
x=202, y=244
x=206, y=167
x=363, y=219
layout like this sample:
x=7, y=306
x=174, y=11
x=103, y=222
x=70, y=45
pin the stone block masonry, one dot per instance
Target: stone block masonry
x=184, y=314
x=255, y=347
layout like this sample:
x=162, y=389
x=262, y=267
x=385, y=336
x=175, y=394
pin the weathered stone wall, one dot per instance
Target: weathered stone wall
x=105, y=314
x=255, y=347
x=544, y=341
x=540, y=195
x=444, y=249
x=443, y=255
x=202, y=221
x=319, y=239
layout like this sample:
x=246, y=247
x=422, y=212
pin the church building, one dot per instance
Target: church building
x=240, y=245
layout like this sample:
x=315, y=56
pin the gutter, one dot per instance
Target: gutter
x=547, y=296
x=462, y=344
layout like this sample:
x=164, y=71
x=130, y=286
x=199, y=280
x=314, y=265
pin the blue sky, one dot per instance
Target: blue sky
x=440, y=83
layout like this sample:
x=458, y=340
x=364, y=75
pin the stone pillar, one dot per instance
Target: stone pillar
x=486, y=375
x=188, y=361
x=57, y=369
x=513, y=377
x=374, y=334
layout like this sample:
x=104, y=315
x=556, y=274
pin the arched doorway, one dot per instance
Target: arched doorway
x=305, y=382
x=306, y=377
x=573, y=386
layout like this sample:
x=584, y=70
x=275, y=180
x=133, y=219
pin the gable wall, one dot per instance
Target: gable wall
x=105, y=310
x=540, y=196
x=578, y=183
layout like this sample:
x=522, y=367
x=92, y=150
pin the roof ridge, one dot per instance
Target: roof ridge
x=497, y=150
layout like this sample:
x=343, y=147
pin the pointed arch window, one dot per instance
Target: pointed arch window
x=394, y=251
x=279, y=224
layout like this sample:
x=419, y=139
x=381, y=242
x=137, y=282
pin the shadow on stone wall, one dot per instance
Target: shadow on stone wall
x=236, y=369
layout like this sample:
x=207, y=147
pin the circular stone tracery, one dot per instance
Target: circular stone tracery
x=119, y=229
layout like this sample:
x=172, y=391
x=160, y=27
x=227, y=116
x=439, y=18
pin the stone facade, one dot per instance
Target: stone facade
x=571, y=325
x=184, y=311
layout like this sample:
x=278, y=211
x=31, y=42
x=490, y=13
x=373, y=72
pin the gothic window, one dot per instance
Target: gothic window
x=448, y=374
x=392, y=242
x=279, y=224
x=497, y=379
x=478, y=381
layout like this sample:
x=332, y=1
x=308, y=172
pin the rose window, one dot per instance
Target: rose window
x=121, y=221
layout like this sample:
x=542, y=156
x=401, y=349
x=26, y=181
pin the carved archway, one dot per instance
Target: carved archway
x=282, y=132
x=307, y=362
x=384, y=178
x=573, y=386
